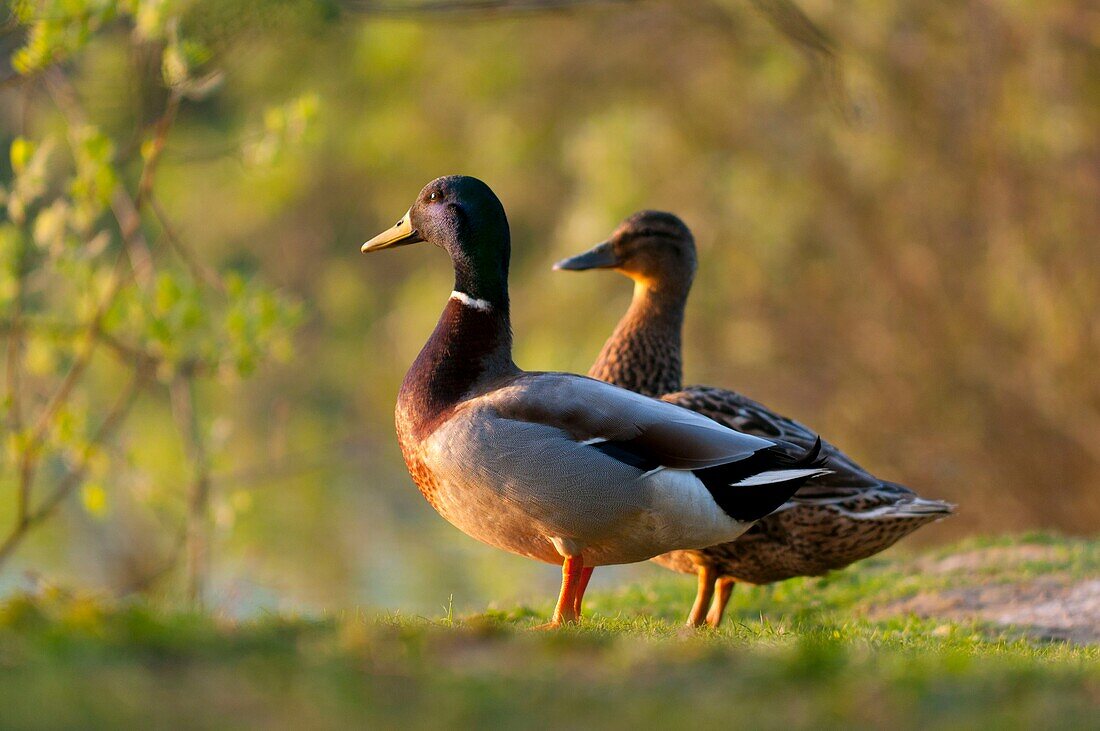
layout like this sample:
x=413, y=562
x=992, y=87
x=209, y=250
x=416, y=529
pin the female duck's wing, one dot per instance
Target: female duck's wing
x=739, y=412
x=847, y=486
x=736, y=411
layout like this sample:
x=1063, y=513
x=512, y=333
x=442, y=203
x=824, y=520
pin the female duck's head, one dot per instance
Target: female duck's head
x=463, y=216
x=653, y=248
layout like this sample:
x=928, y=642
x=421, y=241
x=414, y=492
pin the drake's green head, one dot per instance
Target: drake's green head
x=464, y=217
x=653, y=248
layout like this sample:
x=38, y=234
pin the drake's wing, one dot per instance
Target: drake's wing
x=658, y=434
x=567, y=487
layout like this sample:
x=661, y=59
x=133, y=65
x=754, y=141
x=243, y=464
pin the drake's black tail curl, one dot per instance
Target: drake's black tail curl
x=811, y=457
x=753, y=501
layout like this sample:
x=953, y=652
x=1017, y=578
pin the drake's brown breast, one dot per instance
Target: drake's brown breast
x=412, y=451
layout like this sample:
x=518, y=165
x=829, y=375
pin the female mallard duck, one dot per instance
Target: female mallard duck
x=555, y=466
x=834, y=519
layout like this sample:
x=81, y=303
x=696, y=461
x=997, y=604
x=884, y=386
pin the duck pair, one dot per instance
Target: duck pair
x=583, y=472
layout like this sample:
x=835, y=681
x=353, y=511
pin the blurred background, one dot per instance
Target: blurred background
x=897, y=207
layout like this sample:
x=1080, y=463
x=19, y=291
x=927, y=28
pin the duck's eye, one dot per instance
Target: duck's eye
x=433, y=196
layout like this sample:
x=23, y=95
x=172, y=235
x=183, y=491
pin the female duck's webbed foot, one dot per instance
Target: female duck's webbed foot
x=698, y=615
x=723, y=587
x=574, y=579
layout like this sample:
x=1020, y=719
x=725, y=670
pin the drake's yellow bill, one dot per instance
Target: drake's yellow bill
x=401, y=234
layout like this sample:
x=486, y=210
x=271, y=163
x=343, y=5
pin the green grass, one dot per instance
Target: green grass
x=806, y=653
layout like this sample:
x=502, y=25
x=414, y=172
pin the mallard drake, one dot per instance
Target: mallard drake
x=559, y=467
x=833, y=520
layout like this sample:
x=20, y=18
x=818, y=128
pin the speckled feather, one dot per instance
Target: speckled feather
x=820, y=529
x=832, y=521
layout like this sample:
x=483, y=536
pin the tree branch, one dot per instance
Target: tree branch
x=187, y=421
x=76, y=474
x=93, y=334
x=122, y=205
x=473, y=7
x=127, y=353
x=160, y=138
x=29, y=453
x=198, y=270
x=107, y=428
x=13, y=368
x=148, y=578
x=135, y=248
x=799, y=30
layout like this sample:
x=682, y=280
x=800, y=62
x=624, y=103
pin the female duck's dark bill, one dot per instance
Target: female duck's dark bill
x=600, y=256
x=401, y=234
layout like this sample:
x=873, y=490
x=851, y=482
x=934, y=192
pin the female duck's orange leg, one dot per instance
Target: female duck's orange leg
x=566, y=611
x=586, y=574
x=697, y=617
x=723, y=587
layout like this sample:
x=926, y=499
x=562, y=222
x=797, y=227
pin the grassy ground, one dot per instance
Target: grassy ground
x=838, y=651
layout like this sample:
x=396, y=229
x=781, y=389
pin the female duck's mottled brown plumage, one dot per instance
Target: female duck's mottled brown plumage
x=648, y=334
x=833, y=520
x=643, y=353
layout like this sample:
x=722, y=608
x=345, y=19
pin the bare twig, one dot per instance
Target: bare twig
x=149, y=577
x=13, y=369
x=13, y=539
x=122, y=205
x=160, y=138
x=92, y=337
x=797, y=28
x=26, y=92
x=29, y=453
x=472, y=7
x=115, y=416
x=127, y=353
x=75, y=476
x=198, y=270
x=182, y=391
x=129, y=225
x=789, y=20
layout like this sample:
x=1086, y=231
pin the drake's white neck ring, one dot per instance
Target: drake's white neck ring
x=469, y=301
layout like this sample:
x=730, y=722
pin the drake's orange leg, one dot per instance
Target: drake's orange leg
x=702, y=596
x=723, y=587
x=566, y=611
x=586, y=574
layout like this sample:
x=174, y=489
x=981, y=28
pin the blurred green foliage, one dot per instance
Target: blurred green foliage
x=82, y=276
x=897, y=246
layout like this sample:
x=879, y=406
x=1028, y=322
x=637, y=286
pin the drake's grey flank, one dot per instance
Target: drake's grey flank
x=553, y=466
x=833, y=520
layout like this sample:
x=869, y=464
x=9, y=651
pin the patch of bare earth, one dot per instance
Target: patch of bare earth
x=1050, y=607
x=998, y=557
